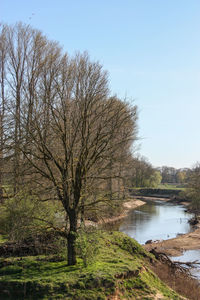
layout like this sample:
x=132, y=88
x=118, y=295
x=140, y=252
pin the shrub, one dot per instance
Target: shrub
x=23, y=215
x=87, y=245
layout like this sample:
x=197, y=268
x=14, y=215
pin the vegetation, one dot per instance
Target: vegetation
x=21, y=216
x=65, y=157
x=142, y=174
x=193, y=189
x=174, y=176
x=64, y=138
x=120, y=267
x=169, y=186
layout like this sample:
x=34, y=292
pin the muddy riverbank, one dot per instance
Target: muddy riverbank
x=176, y=246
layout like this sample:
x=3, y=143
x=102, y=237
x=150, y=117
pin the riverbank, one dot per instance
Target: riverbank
x=130, y=204
x=171, y=247
x=176, y=246
x=117, y=267
x=127, y=206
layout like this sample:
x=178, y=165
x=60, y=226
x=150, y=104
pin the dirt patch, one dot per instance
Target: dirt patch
x=133, y=203
x=158, y=296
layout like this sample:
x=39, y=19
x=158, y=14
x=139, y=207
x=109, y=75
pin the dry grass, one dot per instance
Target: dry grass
x=180, y=282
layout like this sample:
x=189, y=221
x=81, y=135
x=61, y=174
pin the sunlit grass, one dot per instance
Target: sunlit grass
x=3, y=239
x=171, y=186
x=119, y=264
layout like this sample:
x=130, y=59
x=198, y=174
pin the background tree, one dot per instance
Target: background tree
x=141, y=173
x=174, y=176
x=193, y=191
x=3, y=102
x=155, y=179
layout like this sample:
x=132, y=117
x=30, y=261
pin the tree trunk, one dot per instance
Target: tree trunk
x=71, y=238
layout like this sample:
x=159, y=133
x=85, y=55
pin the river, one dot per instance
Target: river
x=160, y=220
x=156, y=220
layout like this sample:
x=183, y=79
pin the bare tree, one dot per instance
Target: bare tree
x=24, y=53
x=81, y=134
x=65, y=128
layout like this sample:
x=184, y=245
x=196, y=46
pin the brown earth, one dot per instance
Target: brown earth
x=128, y=205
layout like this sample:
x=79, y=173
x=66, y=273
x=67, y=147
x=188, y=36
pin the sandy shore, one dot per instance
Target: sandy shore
x=176, y=246
x=132, y=204
x=146, y=198
x=128, y=205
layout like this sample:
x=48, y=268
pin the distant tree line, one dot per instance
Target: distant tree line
x=174, y=176
x=141, y=173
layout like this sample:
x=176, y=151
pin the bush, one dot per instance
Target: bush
x=46, y=243
x=87, y=245
x=22, y=216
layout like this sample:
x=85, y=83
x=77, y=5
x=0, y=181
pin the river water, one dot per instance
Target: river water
x=190, y=256
x=160, y=220
x=156, y=220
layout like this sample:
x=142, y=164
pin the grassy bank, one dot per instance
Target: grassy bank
x=166, y=186
x=169, y=193
x=119, y=270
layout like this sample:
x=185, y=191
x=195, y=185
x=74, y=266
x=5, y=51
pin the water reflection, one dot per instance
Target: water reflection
x=156, y=220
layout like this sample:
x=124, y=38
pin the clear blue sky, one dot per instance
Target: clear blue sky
x=151, y=49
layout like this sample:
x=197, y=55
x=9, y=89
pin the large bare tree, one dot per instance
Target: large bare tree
x=74, y=134
x=67, y=130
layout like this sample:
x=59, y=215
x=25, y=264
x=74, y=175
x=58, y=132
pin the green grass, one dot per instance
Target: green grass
x=163, y=186
x=3, y=239
x=121, y=265
x=171, y=186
